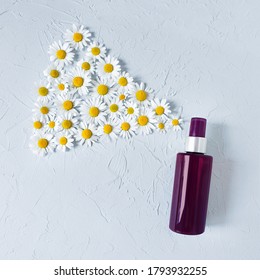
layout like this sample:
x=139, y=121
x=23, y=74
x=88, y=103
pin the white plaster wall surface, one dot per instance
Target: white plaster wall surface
x=113, y=201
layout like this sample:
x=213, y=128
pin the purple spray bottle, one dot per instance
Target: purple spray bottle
x=191, y=183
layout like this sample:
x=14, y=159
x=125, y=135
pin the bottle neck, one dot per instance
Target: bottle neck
x=196, y=145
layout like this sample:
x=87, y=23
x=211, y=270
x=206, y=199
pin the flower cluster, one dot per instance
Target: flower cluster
x=85, y=97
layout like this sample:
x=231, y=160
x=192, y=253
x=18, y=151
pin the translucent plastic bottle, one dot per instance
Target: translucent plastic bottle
x=192, y=183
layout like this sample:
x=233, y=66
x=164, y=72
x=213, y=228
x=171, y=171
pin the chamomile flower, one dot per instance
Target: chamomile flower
x=68, y=102
x=87, y=65
x=42, y=144
x=175, y=123
x=67, y=123
x=131, y=108
x=86, y=134
x=61, y=85
x=52, y=125
x=161, y=126
x=115, y=108
x=103, y=88
x=96, y=50
x=44, y=110
x=108, y=67
x=78, y=37
x=122, y=96
x=44, y=90
x=108, y=130
x=146, y=121
x=127, y=127
x=141, y=93
x=124, y=83
x=53, y=72
x=93, y=110
x=161, y=108
x=79, y=80
x=64, y=142
x=38, y=123
x=61, y=54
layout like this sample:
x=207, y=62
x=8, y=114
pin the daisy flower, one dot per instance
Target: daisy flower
x=93, y=110
x=96, y=50
x=124, y=82
x=108, y=67
x=161, y=126
x=78, y=37
x=122, y=96
x=141, y=93
x=161, y=108
x=175, y=123
x=64, y=142
x=67, y=123
x=86, y=134
x=131, y=108
x=103, y=88
x=115, y=108
x=44, y=90
x=108, y=130
x=127, y=127
x=87, y=65
x=44, y=110
x=61, y=54
x=53, y=72
x=61, y=85
x=52, y=125
x=42, y=144
x=146, y=121
x=68, y=102
x=79, y=80
x=38, y=124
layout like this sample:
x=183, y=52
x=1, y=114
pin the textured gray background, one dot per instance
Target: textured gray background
x=113, y=201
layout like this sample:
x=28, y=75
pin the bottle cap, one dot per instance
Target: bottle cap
x=198, y=127
x=196, y=142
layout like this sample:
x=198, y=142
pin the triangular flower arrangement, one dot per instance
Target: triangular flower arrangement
x=86, y=97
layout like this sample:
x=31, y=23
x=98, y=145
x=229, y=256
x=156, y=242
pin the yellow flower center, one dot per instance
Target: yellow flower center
x=63, y=140
x=107, y=128
x=43, y=91
x=66, y=124
x=61, y=86
x=141, y=95
x=67, y=105
x=54, y=73
x=143, y=120
x=61, y=54
x=37, y=125
x=125, y=126
x=44, y=110
x=161, y=125
x=86, y=133
x=93, y=112
x=85, y=66
x=113, y=108
x=121, y=97
x=159, y=110
x=175, y=122
x=78, y=81
x=51, y=124
x=77, y=37
x=95, y=51
x=43, y=143
x=122, y=81
x=130, y=110
x=102, y=89
x=108, y=68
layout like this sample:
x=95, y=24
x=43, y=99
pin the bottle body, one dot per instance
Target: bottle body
x=190, y=193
